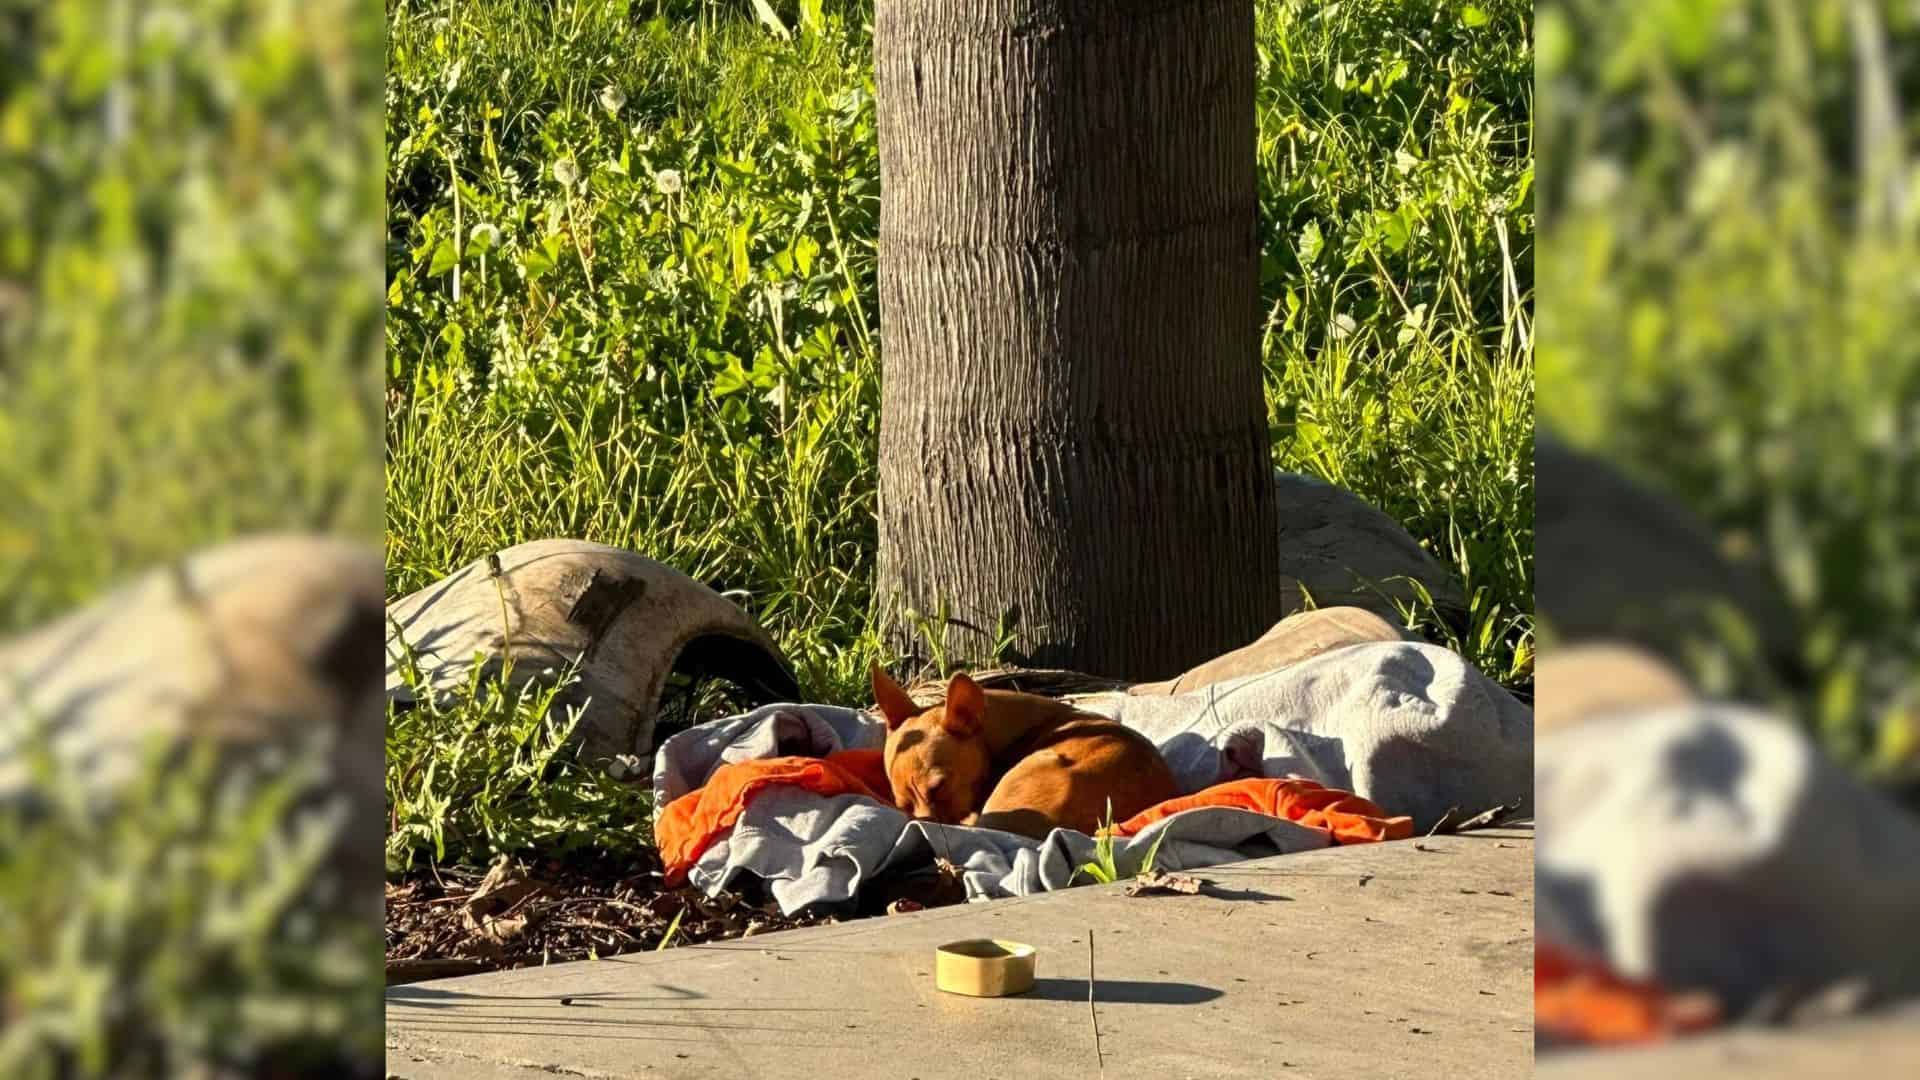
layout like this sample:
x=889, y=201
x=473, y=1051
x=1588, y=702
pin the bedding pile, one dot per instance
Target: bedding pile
x=1701, y=863
x=1374, y=741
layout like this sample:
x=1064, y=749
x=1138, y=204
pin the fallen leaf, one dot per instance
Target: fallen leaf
x=501, y=929
x=1155, y=882
x=1485, y=818
x=505, y=886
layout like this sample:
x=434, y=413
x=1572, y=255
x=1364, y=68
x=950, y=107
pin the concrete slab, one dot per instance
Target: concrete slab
x=1411, y=959
x=1882, y=1044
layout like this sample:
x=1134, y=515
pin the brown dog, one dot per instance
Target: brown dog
x=1017, y=762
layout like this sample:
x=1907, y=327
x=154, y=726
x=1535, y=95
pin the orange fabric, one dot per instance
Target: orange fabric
x=691, y=823
x=870, y=768
x=1350, y=818
x=1579, y=999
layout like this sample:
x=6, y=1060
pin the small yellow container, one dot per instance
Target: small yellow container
x=984, y=968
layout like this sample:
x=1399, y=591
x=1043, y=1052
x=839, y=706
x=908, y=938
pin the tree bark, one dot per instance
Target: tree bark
x=1073, y=432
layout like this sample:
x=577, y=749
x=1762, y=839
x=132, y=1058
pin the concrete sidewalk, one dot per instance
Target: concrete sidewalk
x=1411, y=959
x=1879, y=1044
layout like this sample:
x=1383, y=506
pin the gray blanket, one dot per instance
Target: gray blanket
x=1410, y=726
x=1714, y=848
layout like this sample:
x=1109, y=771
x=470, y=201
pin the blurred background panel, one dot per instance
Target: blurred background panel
x=190, y=283
x=191, y=391
x=1733, y=192
x=1728, y=523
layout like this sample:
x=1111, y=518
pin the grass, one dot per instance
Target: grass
x=177, y=927
x=631, y=262
x=1730, y=291
x=1103, y=867
x=494, y=772
x=673, y=928
x=190, y=354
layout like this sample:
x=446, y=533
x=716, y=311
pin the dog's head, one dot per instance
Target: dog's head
x=937, y=758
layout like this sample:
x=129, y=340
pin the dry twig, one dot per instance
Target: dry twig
x=1095, y=1016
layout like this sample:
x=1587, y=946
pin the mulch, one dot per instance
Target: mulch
x=454, y=921
x=442, y=922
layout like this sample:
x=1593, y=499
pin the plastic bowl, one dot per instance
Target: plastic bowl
x=984, y=968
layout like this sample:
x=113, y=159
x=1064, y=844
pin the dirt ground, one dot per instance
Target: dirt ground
x=450, y=921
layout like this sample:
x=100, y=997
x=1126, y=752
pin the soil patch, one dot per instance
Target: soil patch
x=460, y=921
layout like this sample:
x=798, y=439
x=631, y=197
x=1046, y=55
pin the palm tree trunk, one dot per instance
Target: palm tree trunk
x=1073, y=432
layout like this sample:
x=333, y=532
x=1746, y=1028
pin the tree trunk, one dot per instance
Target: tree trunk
x=1073, y=434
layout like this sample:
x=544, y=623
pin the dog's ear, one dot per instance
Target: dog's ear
x=894, y=703
x=966, y=705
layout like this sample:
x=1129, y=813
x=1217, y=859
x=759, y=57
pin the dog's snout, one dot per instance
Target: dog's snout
x=930, y=812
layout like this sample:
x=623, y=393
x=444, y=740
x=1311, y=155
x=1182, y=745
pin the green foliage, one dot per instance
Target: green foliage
x=490, y=771
x=1395, y=149
x=1104, y=867
x=674, y=352
x=187, y=921
x=189, y=331
x=673, y=928
x=1730, y=292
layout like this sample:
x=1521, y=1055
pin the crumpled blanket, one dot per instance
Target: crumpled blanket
x=692, y=823
x=1711, y=851
x=1411, y=727
x=686, y=827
